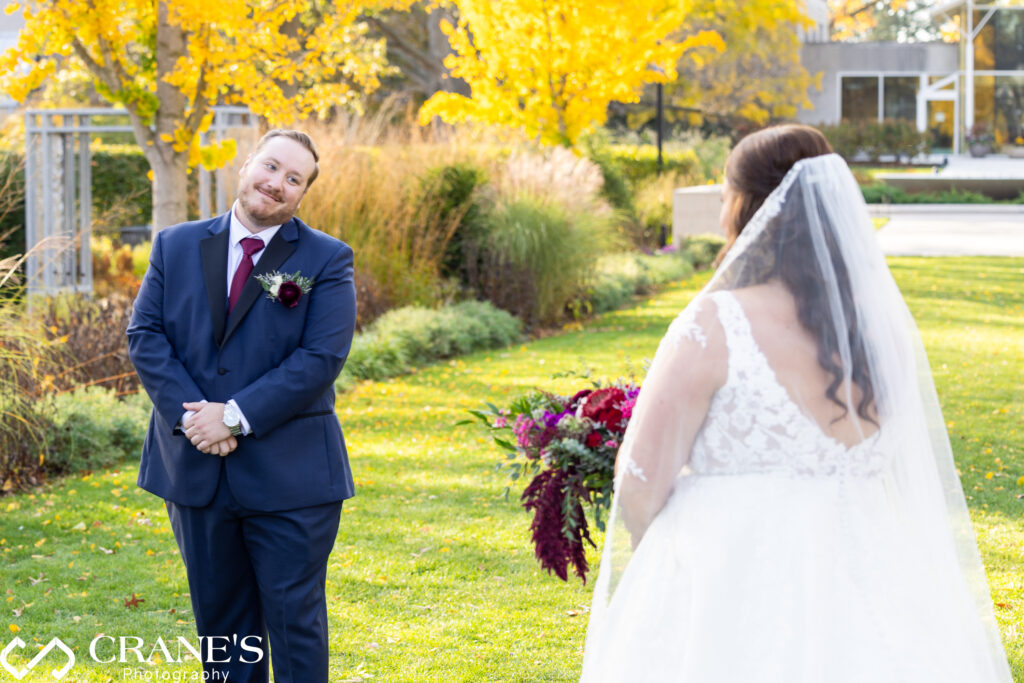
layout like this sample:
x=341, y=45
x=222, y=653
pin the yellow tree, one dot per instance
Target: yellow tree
x=760, y=78
x=550, y=67
x=167, y=62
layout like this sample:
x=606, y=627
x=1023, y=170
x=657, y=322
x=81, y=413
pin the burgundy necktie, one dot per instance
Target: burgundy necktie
x=250, y=245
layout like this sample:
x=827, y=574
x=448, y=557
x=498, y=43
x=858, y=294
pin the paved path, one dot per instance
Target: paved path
x=952, y=230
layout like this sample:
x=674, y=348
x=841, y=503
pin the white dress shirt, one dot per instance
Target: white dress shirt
x=237, y=233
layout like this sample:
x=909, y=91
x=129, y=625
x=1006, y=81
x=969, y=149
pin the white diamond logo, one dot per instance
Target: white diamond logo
x=21, y=673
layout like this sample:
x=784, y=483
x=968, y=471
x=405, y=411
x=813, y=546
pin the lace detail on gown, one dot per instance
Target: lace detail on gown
x=685, y=326
x=753, y=426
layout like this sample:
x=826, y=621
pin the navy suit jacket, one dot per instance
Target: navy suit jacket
x=279, y=364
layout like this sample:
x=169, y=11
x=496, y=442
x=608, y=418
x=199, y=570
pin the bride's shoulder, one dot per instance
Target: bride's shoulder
x=697, y=324
x=693, y=350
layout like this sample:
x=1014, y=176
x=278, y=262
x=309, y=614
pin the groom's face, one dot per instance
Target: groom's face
x=273, y=181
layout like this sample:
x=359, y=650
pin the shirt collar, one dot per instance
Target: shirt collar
x=239, y=231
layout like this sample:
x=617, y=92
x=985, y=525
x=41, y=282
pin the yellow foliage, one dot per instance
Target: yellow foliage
x=550, y=67
x=285, y=60
x=854, y=18
x=760, y=78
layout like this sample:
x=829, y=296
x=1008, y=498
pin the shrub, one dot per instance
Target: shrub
x=25, y=356
x=875, y=139
x=459, y=188
x=887, y=194
x=615, y=188
x=703, y=249
x=93, y=428
x=121, y=185
x=539, y=256
x=94, y=345
x=654, y=207
x=12, y=205
x=26, y=359
x=623, y=276
x=117, y=268
x=373, y=198
x=411, y=336
x=640, y=162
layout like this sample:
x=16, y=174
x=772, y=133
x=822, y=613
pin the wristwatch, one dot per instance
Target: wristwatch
x=232, y=419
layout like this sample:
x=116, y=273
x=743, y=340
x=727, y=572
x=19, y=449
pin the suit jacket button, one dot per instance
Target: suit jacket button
x=222, y=371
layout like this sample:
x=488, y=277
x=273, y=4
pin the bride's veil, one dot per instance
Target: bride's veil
x=814, y=235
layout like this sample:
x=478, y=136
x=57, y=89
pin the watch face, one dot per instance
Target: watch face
x=231, y=417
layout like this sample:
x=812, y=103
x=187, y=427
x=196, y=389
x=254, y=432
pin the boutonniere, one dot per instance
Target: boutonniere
x=284, y=287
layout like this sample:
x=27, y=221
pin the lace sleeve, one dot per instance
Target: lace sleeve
x=691, y=325
x=687, y=369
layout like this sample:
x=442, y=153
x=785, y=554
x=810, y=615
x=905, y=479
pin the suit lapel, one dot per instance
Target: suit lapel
x=277, y=252
x=214, y=252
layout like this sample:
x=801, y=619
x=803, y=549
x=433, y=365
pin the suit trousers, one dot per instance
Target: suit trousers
x=254, y=574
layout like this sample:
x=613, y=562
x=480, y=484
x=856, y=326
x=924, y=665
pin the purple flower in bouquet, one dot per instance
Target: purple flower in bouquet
x=551, y=419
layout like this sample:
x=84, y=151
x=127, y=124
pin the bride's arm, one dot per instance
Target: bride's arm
x=690, y=365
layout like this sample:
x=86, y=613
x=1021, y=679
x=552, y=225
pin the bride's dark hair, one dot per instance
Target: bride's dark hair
x=754, y=168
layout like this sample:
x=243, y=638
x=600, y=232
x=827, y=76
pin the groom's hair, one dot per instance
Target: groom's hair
x=299, y=137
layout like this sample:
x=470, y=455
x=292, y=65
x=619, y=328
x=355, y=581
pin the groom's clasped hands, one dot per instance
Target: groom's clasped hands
x=206, y=430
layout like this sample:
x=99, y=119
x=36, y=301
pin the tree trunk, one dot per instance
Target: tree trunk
x=170, y=167
x=170, y=187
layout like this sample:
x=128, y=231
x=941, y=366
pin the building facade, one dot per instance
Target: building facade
x=946, y=88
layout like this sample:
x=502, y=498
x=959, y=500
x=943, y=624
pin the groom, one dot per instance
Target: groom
x=243, y=444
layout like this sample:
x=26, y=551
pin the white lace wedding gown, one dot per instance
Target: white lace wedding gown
x=777, y=558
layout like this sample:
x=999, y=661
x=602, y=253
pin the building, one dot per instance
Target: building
x=10, y=26
x=944, y=87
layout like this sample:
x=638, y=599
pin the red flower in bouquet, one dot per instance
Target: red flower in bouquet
x=593, y=440
x=603, y=406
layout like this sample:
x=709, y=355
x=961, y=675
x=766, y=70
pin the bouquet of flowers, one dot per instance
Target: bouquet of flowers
x=568, y=444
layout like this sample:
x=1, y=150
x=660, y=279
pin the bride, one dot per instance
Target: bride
x=786, y=505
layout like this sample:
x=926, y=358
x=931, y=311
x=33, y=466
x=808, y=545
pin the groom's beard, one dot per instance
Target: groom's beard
x=265, y=210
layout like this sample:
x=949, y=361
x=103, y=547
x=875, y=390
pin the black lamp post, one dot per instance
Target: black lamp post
x=661, y=124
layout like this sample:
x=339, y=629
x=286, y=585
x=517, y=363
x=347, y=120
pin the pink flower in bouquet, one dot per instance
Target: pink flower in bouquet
x=611, y=443
x=501, y=421
x=627, y=407
x=522, y=428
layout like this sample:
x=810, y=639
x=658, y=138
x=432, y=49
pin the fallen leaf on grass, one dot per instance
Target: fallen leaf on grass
x=134, y=601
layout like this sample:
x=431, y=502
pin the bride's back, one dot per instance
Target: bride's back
x=791, y=351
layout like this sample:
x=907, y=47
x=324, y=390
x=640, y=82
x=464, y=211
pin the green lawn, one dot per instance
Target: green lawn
x=432, y=577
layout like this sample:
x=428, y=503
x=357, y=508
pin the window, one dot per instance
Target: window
x=899, y=94
x=859, y=98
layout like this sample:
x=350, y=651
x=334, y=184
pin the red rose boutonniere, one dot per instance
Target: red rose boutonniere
x=286, y=288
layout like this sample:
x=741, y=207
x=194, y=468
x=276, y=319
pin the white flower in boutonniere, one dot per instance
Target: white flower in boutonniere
x=286, y=288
